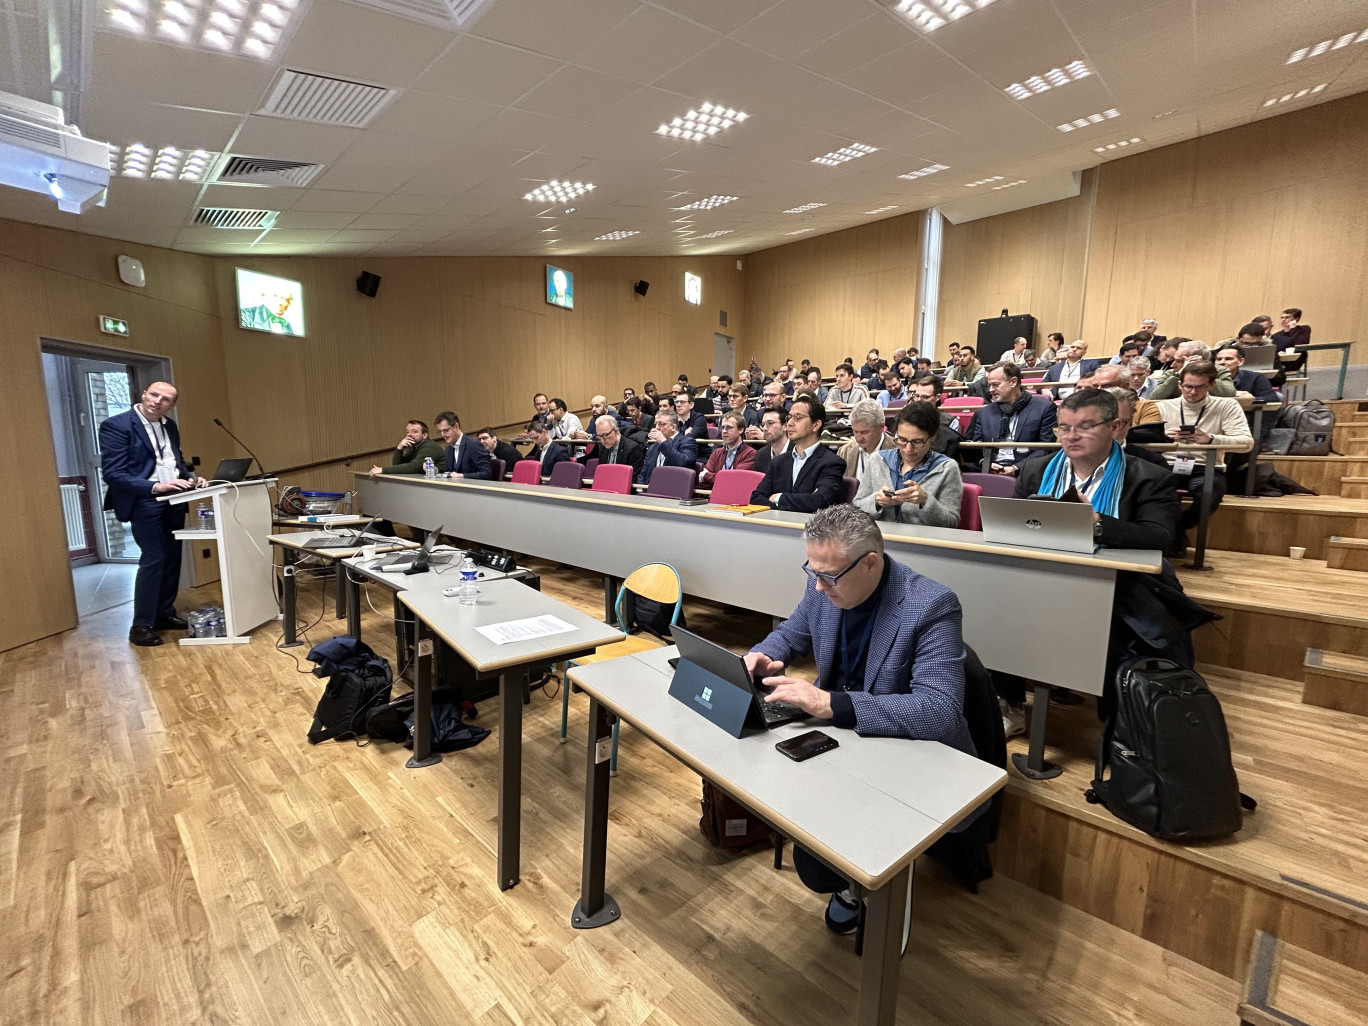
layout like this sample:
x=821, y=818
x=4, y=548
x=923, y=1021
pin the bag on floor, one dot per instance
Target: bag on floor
x=1164, y=761
x=1313, y=427
x=359, y=681
x=394, y=722
x=727, y=823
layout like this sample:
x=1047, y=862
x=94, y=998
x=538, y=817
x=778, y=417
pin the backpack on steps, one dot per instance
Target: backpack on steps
x=1312, y=424
x=1164, y=761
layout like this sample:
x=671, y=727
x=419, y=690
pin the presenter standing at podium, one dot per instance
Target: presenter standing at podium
x=140, y=459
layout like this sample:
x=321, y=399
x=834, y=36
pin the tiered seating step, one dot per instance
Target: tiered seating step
x=1287, y=984
x=1347, y=553
x=1336, y=680
x=1322, y=474
x=1271, y=526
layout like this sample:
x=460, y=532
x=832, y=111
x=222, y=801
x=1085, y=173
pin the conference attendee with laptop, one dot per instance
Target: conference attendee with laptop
x=913, y=484
x=464, y=457
x=412, y=450
x=889, y=654
x=808, y=476
x=140, y=459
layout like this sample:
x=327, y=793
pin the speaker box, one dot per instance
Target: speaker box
x=640, y=287
x=368, y=284
x=995, y=335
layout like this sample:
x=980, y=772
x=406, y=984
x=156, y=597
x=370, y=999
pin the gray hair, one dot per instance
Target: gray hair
x=853, y=530
x=1140, y=363
x=667, y=414
x=1126, y=395
x=1195, y=350
x=606, y=420
x=867, y=413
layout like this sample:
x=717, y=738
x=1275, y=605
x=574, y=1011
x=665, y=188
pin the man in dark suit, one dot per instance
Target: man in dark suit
x=465, y=457
x=1014, y=416
x=691, y=423
x=668, y=448
x=771, y=430
x=497, y=448
x=1071, y=365
x=612, y=446
x=807, y=477
x=140, y=458
x=544, y=450
x=638, y=423
x=1249, y=384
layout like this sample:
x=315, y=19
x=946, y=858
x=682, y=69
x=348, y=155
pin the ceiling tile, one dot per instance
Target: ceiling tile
x=332, y=200
x=585, y=93
x=646, y=45
x=721, y=17
x=417, y=112
x=141, y=69
x=358, y=178
x=400, y=151
x=362, y=45
x=789, y=28
x=297, y=218
x=113, y=117
x=391, y=221
x=739, y=77
x=293, y=140
x=477, y=69
x=560, y=29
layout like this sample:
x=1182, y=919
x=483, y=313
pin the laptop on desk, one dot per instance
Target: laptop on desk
x=423, y=555
x=347, y=539
x=1038, y=524
x=715, y=683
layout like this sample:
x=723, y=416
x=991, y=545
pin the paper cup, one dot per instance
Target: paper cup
x=1297, y=552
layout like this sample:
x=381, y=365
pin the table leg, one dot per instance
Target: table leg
x=511, y=688
x=1344, y=369
x=1033, y=764
x=883, y=951
x=610, y=589
x=423, y=755
x=340, y=602
x=1252, y=470
x=290, y=597
x=1208, y=469
x=595, y=906
x=353, y=603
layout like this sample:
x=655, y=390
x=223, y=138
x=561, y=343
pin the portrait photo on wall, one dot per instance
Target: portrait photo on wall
x=560, y=287
x=268, y=303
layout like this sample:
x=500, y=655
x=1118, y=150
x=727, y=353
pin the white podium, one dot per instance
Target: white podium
x=242, y=523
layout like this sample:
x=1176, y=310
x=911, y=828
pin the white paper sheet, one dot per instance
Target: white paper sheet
x=525, y=630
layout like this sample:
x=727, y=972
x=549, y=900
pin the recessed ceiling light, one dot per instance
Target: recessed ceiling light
x=559, y=192
x=251, y=27
x=800, y=231
x=845, y=154
x=708, y=204
x=1091, y=119
x=883, y=210
x=922, y=172
x=1008, y=185
x=1299, y=94
x=717, y=235
x=1326, y=45
x=929, y=15
x=615, y=236
x=1120, y=144
x=983, y=181
x=804, y=208
x=1053, y=78
x=1166, y=114
x=170, y=163
x=700, y=124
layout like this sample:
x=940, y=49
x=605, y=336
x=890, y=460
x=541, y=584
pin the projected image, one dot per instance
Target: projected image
x=560, y=287
x=268, y=303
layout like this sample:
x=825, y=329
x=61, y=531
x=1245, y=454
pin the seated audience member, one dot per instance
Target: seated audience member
x=870, y=368
x=733, y=453
x=1162, y=358
x=772, y=424
x=807, y=477
x=951, y=351
x=412, y=450
x=749, y=383
x=612, y=446
x=1126, y=403
x=1204, y=419
x=773, y=397
x=814, y=384
x=898, y=354
x=913, y=484
x=1150, y=328
x=909, y=686
x=928, y=389
x=923, y=366
x=650, y=399
x=907, y=370
x=868, y=437
x=637, y=424
x=1072, y=365
x=967, y=369
x=497, y=449
x=540, y=404
x=464, y=456
x=1128, y=352
x=627, y=393
x=693, y=424
x=547, y=451
x=1249, y=385
x=847, y=391
x=783, y=377
x=561, y=422
x=722, y=398
x=1285, y=360
x=1030, y=361
x=1014, y=415
x=598, y=406
x=1054, y=348
x=669, y=448
x=1139, y=369
x=1017, y=354
x=1292, y=332
x=740, y=403
x=1189, y=352
x=1115, y=375
x=893, y=390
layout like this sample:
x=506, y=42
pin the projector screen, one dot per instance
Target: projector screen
x=560, y=287
x=268, y=303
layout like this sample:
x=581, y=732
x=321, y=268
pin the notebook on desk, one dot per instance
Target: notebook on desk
x=1038, y=523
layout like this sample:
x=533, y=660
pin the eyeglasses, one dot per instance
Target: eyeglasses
x=603, y=436
x=831, y=580
x=1081, y=429
x=1200, y=386
x=911, y=443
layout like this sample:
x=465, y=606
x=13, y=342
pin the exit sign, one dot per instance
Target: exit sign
x=113, y=326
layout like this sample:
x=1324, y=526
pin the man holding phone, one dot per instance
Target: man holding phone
x=889, y=653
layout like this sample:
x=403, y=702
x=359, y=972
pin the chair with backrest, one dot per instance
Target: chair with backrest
x=969, y=508
x=567, y=474
x=713, y=430
x=672, y=482
x=497, y=467
x=589, y=467
x=849, y=486
x=613, y=477
x=657, y=583
x=998, y=485
x=734, y=487
x=527, y=472
x=896, y=404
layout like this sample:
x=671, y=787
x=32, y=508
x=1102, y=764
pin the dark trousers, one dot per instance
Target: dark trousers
x=816, y=876
x=1193, y=512
x=154, y=594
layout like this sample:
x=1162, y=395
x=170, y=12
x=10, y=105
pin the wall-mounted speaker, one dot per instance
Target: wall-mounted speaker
x=640, y=287
x=368, y=284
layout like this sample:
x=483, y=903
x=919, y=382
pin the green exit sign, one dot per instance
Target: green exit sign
x=113, y=326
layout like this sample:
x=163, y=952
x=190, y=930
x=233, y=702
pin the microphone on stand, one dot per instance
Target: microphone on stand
x=264, y=471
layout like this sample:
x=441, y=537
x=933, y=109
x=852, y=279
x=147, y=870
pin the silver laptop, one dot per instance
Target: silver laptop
x=1259, y=358
x=1038, y=523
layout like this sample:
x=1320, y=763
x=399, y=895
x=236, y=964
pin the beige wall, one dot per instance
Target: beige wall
x=836, y=295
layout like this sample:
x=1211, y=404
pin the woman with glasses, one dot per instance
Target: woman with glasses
x=912, y=483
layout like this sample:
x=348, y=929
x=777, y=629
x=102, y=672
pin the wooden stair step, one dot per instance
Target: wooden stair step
x=1347, y=553
x=1287, y=984
x=1335, y=680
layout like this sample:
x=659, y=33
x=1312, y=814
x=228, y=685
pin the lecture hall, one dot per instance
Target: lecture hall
x=673, y=512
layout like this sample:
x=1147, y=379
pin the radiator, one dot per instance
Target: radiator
x=71, y=513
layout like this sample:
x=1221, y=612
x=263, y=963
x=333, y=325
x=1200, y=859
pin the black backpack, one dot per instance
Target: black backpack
x=1164, y=761
x=1312, y=424
x=353, y=689
x=394, y=722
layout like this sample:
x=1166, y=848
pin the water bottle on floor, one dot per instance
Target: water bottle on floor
x=467, y=591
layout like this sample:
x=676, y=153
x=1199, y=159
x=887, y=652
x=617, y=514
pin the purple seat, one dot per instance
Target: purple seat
x=713, y=431
x=589, y=467
x=896, y=404
x=849, y=486
x=567, y=474
x=997, y=485
x=672, y=482
x=497, y=466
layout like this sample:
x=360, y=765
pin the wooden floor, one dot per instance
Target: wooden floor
x=173, y=851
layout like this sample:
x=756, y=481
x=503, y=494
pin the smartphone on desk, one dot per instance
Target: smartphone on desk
x=805, y=746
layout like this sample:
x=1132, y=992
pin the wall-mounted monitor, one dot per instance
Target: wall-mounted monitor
x=560, y=287
x=268, y=303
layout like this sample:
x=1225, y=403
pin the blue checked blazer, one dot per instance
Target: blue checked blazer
x=914, y=671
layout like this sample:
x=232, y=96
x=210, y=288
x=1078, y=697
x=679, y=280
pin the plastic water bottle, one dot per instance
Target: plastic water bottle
x=466, y=594
x=429, y=469
x=206, y=518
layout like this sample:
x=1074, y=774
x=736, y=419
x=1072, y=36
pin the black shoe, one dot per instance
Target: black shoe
x=843, y=913
x=144, y=636
x=171, y=623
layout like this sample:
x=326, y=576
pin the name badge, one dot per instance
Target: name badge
x=1184, y=465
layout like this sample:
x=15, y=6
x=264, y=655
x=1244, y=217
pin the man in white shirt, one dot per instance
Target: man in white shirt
x=1017, y=354
x=561, y=423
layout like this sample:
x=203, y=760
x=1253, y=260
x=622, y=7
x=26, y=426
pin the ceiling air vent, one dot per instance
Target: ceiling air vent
x=442, y=13
x=237, y=170
x=300, y=96
x=232, y=217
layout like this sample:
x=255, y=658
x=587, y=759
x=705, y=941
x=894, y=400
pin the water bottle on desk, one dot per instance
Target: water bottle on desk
x=429, y=469
x=469, y=572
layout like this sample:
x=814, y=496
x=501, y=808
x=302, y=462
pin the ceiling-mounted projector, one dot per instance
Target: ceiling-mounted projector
x=39, y=152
